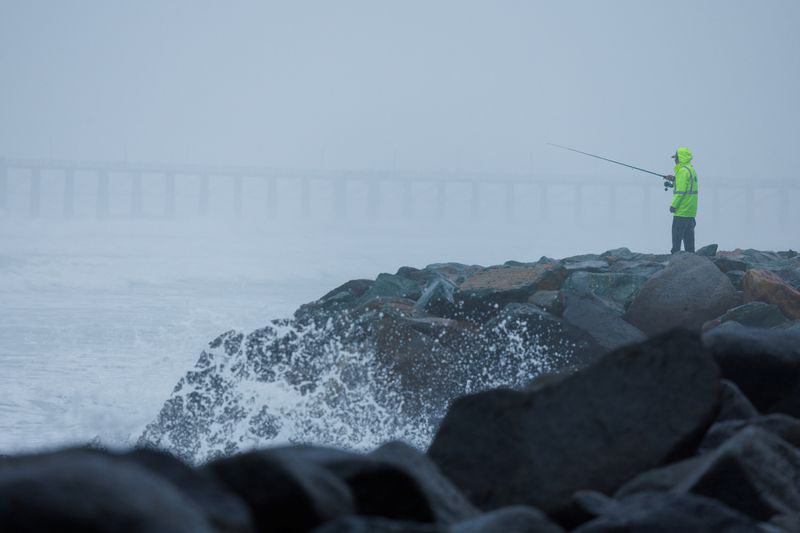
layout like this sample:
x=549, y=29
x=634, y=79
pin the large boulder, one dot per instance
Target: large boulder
x=485, y=292
x=604, y=325
x=632, y=410
x=754, y=314
x=514, y=519
x=764, y=364
x=656, y=512
x=688, y=293
x=734, y=405
x=284, y=492
x=88, y=491
x=764, y=286
x=784, y=426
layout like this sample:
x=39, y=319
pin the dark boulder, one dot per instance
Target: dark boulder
x=764, y=364
x=734, y=404
x=634, y=409
x=549, y=301
x=514, y=519
x=392, y=286
x=656, y=512
x=225, y=511
x=726, y=264
x=754, y=472
x=284, y=492
x=736, y=278
x=604, y=325
x=688, y=293
x=709, y=250
x=784, y=426
x=90, y=492
x=660, y=479
x=437, y=299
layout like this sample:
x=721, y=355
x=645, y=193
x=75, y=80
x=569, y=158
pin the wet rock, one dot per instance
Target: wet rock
x=756, y=258
x=653, y=402
x=736, y=277
x=734, y=404
x=790, y=275
x=586, y=265
x=549, y=301
x=753, y=314
x=82, y=490
x=688, y=293
x=709, y=250
x=616, y=289
x=438, y=298
x=514, y=519
x=726, y=264
x=764, y=364
x=604, y=325
x=654, y=512
x=784, y=426
x=764, y=286
x=660, y=479
x=392, y=286
x=226, y=512
x=284, y=492
x=489, y=290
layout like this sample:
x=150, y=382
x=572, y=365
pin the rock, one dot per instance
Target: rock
x=487, y=291
x=734, y=404
x=654, y=512
x=226, y=512
x=344, y=297
x=709, y=250
x=688, y=293
x=784, y=426
x=756, y=258
x=438, y=298
x=790, y=275
x=514, y=519
x=754, y=314
x=754, y=472
x=284, y=493
x=660, y=479
x=85, y=490
x=632, y=410
x=736, y=277
x=764, y=364
x=615, y=289
x=764, y=286
x=364, y=524
x=392, y=286
x=604, y=325
x=725, y=264
x=549, y=301
x=586, y=265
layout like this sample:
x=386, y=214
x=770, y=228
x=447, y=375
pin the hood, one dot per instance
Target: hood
x=684, y=156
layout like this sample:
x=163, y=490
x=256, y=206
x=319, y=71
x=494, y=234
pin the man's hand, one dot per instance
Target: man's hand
x=669, y=177
x=671, y=209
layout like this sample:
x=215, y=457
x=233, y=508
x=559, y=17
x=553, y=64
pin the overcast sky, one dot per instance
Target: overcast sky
x=413, y=85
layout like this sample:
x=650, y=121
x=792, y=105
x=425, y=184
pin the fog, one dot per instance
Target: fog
x=171, y=170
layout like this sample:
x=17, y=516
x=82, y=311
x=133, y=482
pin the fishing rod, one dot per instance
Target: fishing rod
x=667, y=182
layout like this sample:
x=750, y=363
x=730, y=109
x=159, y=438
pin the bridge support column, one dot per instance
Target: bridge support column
x=238, y=186
x=169, y=195
x=373, y=199
x=136, y=194
x=3, y=184
x=35, y=192
x=101, y=207
x=69, y=192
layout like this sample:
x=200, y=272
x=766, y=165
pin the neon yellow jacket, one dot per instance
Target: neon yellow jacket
x=684, y=195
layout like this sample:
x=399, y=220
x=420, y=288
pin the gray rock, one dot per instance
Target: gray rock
x=514, y=519
x=765, y=364
x=634, y=409
x=688, y=293
x=753, y=314
x=726, y=264
x=392, y=286
x=616, y=289
x=708, y=250
x=654, y=512
x=550, y=301
x=586, y=265
x=603, y=324
x=660, y=479
x=437, y=298
x=736, y=278
x=784, y=426
x=83, y=490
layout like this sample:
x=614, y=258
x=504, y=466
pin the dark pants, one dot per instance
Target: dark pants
x=683, y=230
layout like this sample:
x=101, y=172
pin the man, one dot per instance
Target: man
x=684, y=201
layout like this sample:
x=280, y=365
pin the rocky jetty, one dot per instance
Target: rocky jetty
x=377, y=360
x=694, y=429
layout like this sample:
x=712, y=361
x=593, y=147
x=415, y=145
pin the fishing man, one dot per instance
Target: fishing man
x=684, y=201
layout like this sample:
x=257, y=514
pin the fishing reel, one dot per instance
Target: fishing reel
x=669, y=182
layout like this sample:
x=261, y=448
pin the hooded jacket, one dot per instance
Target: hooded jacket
x=684, y=195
